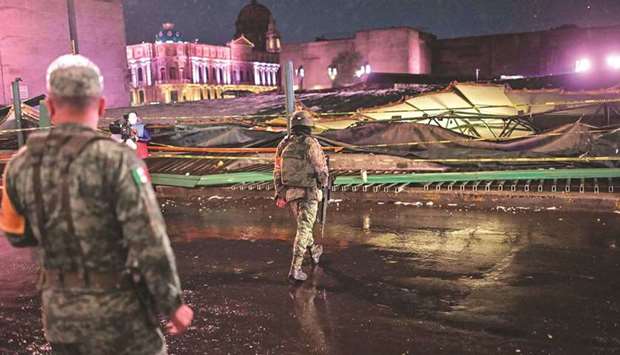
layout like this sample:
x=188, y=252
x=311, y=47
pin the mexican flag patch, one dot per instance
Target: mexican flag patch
x=140, y=176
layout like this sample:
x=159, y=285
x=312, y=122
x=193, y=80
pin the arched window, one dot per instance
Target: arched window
x=241, y=76
x=173, y=73
x=206, y=75
x=214, y=77
x=200, y=75
x=162, y=73
x=140, y=75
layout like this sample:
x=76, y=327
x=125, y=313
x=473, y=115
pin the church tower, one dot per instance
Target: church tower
x=274, y=44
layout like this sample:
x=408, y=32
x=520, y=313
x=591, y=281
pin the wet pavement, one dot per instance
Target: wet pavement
x=396, y=279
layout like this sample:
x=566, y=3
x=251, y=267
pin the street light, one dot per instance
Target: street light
x=613, y=60
x=583, y=65
x=332, y=72
x=301, y=72
x=363, y=70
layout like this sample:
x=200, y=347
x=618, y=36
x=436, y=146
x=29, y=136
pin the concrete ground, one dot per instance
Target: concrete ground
x=396, y=279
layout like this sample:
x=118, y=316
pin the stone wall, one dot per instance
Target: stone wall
x=101, y=35
x=392, y=50
x=530, y=54
x=38, y=32
x=315, y=57
x=405, y=50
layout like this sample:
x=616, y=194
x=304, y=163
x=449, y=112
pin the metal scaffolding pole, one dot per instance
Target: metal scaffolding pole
x=290, y=93
x=17, y=108
x=73, y=33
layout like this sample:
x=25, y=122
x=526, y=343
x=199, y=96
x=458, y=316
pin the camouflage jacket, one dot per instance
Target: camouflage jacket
x=119, y=226
x=318, y=161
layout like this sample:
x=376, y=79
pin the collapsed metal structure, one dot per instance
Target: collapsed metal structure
x=463, y=138
x=498, y=112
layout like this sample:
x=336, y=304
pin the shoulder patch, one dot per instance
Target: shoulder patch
x=140, y=176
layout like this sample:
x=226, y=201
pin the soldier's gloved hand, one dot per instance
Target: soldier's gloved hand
x=180, y=320
x=280, y=203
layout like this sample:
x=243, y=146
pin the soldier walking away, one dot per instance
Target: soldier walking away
x=107, y=268
x=299, y=175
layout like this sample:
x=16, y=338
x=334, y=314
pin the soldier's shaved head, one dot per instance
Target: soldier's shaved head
x=75, y=89
x=74, y=80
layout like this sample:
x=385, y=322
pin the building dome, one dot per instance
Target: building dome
x=253, y=23
x=168, y=34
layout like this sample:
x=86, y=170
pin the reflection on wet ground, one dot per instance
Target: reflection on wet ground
x=395, y=280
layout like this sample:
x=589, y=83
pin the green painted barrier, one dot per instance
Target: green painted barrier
x=543, y=174
x=235, y=178
x=211, y=180
x=503, y=175
x=175, y=180
x=44, y=115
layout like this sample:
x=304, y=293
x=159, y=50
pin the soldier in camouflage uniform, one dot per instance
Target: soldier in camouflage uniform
x=299, y=175
x=86, y=203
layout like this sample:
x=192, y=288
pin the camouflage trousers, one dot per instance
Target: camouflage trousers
x=84, y=349
x=304, y=211
x=98, y=323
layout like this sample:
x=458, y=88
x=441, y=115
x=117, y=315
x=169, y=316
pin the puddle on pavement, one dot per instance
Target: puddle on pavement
x=395, y=279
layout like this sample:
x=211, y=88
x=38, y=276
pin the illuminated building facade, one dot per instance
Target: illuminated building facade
x=173, y=70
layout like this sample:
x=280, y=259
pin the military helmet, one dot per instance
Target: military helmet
x=301, y=118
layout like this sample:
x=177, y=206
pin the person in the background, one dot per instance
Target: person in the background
x=300, y=173
x=132, y=132
x=130, y=135
x=123, y=131
x=86, y=203
x=141, y=135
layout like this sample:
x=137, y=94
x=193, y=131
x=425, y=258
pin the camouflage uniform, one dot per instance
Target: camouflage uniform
x=303, y=202
x=113, y=224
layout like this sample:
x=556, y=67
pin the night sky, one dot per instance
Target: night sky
x=212, y=21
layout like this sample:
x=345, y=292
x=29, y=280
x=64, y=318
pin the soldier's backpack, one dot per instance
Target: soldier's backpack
x=297, y=170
